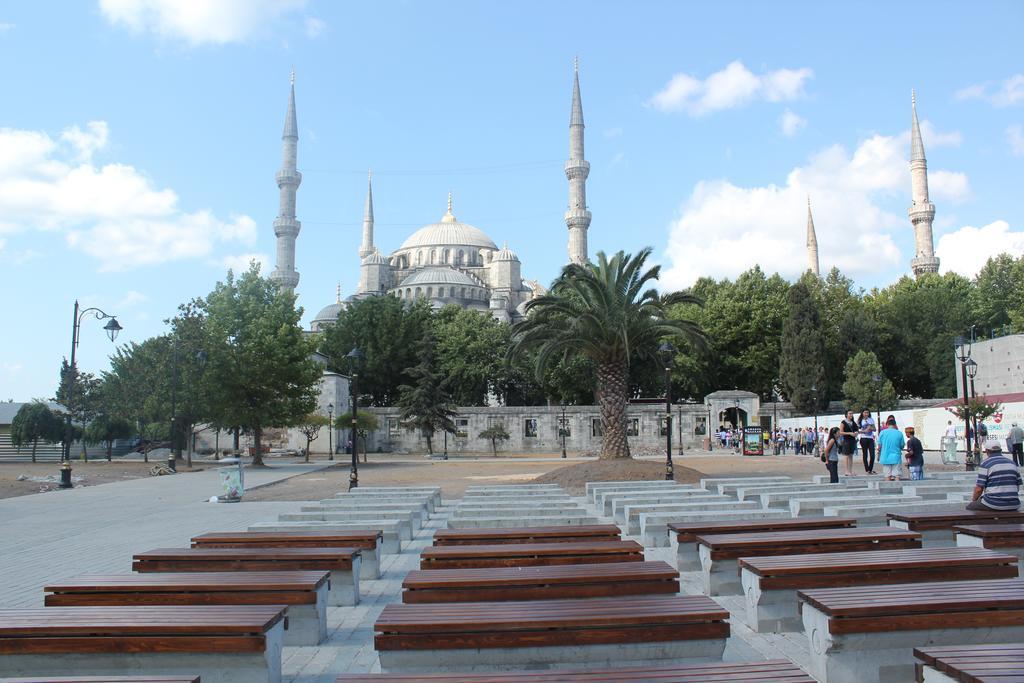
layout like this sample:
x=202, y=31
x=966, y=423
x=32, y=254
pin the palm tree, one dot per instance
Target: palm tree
x=602, y=312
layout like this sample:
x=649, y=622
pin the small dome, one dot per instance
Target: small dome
x=439, y=276
x=374, y=258
x=506, y=254
x=329, y=314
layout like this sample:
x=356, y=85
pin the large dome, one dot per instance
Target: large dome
x=439, y=276
x=448, y=233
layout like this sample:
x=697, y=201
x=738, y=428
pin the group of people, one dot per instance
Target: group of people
x=800, y=440
x=894, y=447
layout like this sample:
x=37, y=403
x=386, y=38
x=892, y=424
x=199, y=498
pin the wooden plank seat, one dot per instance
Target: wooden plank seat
x=370, y=542
x=684, y=534
x=219, y=643
x=487, y=636
x=529, y=534
x=989, y=663
x=529, y=554
x=773, y=671
x=867, y=633
x=1006, y=538
x=342, y=563
x=770, y=583
x=540, y=583
x=103, y=679
x=936, y=528
x=303, y=593
x=719, y=552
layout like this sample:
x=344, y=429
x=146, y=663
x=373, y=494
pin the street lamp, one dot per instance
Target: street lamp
x=817, y=436
x=561, y=428
x=112, y=328
x=962, y=349
x=667, y=353
x=330, y=431
x=355, y=359
x=707, y=429
x=972, y=372
x=736, y=425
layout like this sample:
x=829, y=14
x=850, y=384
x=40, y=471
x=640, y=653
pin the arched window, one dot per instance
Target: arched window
x=451, y=292
x=430, y=292
x=462, y=293
x=447, y=256
x=433, y=255
x=462, y=257
x=419, y=292
x=419, y=258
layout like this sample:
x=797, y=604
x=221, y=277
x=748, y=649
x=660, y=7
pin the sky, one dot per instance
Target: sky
x=139, y=141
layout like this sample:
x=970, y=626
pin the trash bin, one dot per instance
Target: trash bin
x=232, y=481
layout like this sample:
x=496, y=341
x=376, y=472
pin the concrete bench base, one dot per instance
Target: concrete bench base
x=968, y=541
x=554, y=657
x=524, y=511
x=417, y=510
x=773, y=611
x=514, y=522
x=344, y=588
x=248, y=667
x=885, y=657
x=654, y=527
x=390, y=541
x=307, y=624
x=930, y=675
x=423, y=492
x=634, y=513
x=719, y=577
x=404, y=526
x=930, y=538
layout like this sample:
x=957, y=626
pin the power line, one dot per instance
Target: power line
x=440, y=171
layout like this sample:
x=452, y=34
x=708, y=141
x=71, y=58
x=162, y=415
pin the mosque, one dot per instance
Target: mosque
x=447, y=262
x=451, y=262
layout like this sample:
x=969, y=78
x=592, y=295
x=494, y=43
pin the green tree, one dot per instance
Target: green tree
x=426, y=403
x=997, y=298
x=35, y=422
x=259, y=369
x=187, y=374
x=137, y=388
x=606, y=313
x=366, y=422
x=84, y=400
x=845, y=325
x=388, y=331
x=495, y=434
x=310, y=426
x=106, y=430
x=471, y=349
x=866, y=385
x=802, y=361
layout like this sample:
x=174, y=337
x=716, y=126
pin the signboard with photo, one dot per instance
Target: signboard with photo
x=753, y=441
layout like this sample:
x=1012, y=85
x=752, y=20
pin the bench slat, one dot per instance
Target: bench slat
x=687, y=532
x=926, y=521
x=519, y=535
x=243, y=559
x=529, y=554
x=220, y=582
x=368, y=539
x=102, y=679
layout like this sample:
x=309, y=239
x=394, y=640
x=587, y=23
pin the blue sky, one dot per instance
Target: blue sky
x=139, y=141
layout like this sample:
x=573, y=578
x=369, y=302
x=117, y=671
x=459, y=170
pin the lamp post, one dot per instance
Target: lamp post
x=561, y=428
x=355, y=359
x=112, y=328
x=972, y=372
x=444, y=456
x=877, y=381
x=708, y=429
x=330, y=431
x=817, y=436
x=738, y=428
x=201, y=363
x=667, y=352
x=962, y=348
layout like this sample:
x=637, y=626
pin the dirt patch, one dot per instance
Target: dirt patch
x=453, y=476
x=574, y=478
x=26, y=478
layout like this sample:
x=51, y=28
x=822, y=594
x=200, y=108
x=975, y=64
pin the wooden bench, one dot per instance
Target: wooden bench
x=719, y=552
x=479, y=636
x=102, y=679
x=970, y=664
x=684, y=534
x=304, y=594
x=529, y=554
x=867, y=633
x=773, y=671
x=540, y=583
x=936, y=528
x=770, y=583
x=370, y=542
x=215, y=642
x=530, y=534
x=1006, y=538
x=342, y=563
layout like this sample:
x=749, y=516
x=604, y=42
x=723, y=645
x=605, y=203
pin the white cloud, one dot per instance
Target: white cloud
x=936, y=138
x=791, y=123
x=131, y=298
x=315, y=27
x=1010, y=91
x=5, y=27
x=733, y=86
x=112, y=212
x=199, y=22
x=612, y=132
x=239, y=263
x=966, y=250
x=1015, y=136
x=723, y=229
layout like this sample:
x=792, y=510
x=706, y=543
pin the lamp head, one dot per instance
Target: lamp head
x=666, y=352
x=112, y=327
x=355, y=358
x=972, y=368
x=201, y=358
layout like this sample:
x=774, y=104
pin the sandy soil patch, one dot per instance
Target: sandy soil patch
x=25, y=478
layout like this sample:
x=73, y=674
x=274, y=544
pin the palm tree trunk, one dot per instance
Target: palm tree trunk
x=612, y=397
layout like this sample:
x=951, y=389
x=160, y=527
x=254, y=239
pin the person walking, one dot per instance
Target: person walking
x=848, y=431
x=1015, y=439
x=915, y=455
x=890, y=449
x=831, y=455
x=811, y=438
x=998, y=483
x=866, y=429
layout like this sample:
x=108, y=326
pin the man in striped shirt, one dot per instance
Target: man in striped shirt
x=998, y=482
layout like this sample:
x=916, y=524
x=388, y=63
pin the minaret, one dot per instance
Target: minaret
x=366, y=248
x=921, y=211
x=577, y=217
x=286, y=228
x=812, y=242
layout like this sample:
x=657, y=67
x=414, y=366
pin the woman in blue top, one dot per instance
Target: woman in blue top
x=890, y=449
